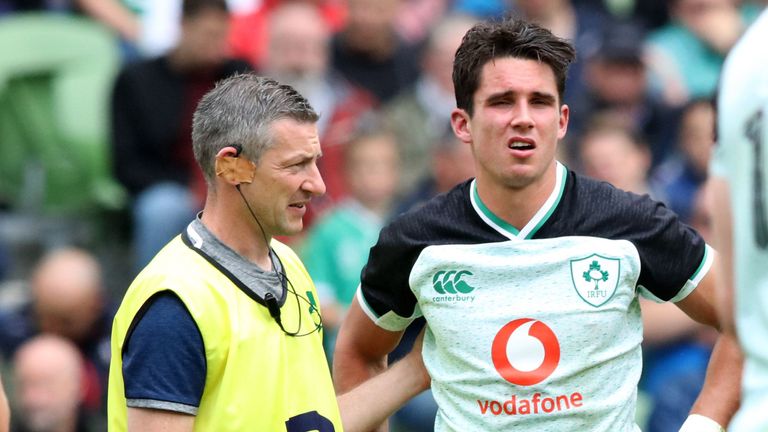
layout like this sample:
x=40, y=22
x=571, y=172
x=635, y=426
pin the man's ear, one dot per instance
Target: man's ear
x=233, y=169
x=563, y=121
x=461, y=126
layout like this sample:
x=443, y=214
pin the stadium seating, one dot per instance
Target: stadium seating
x=56, y=73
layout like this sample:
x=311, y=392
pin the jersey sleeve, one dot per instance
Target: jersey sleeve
x=164, y=364
x=673, y=256
x=385, y=294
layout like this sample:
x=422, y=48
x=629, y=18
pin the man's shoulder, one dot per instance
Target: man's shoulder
x=176, y=266
x=601, y=192
x=594, y=207
x=442, y=211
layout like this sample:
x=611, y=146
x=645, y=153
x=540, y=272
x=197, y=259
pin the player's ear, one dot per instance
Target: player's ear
x=565, y=113
x=232, y=168
x=461, y=126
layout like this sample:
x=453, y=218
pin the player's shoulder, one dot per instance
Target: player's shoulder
x=594, y=207
x=603, y=195
x=435, y=218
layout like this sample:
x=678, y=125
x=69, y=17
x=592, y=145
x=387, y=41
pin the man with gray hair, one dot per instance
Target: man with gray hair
x=48, y=373
x=222, y=330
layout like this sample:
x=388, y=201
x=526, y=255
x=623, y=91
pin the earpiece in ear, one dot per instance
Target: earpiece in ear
x=232, y=168
x=238, y=149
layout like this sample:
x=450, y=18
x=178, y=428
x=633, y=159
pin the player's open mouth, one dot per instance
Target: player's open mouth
x=521, y=145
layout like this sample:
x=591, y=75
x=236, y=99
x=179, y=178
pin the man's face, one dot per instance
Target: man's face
x=67, y=296
x=613, y=157
x=204, y=38
x=516, y=124
x=372, y=170
x=368, y=20
x=298, y=43
x=286, y=178
x=46, y=393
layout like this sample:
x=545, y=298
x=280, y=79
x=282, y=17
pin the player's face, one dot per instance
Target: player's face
x=516, y=123
x=286, y=178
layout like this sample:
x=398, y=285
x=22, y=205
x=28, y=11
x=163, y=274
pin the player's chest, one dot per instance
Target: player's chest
x=551, y=277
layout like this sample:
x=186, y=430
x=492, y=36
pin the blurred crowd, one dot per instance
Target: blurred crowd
x=97, y=172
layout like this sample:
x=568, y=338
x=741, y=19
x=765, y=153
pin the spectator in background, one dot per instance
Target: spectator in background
x=336, y=247
x=416, y=18
x=418, y=115
x=650, y=13
x=369, y=52
x=248, y=38
x=581, y=24
x=114, y=14
x=683, y=173
x=298, y=54
x=611, y=152
x=615, y=80
x=686, y=55
x=118, y=16
x=48, y=391
x=449, y=165
x=152, y=108
x=67, y=298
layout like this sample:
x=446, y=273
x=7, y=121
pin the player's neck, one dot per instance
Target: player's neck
x=517, y=205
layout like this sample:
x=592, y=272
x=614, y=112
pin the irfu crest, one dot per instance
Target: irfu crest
x=595, y=278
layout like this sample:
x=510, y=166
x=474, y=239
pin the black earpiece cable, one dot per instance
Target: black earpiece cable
x=269, y=298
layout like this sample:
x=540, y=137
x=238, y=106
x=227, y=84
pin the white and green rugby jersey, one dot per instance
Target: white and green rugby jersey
x=537, y=329
x=742, y=157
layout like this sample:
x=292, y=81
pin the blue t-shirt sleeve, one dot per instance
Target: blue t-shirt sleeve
x=164, y=363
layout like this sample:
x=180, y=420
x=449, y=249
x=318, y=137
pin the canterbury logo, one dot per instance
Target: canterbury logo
x=450, y=282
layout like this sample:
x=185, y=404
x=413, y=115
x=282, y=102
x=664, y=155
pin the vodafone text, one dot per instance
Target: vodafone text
x=535, y=405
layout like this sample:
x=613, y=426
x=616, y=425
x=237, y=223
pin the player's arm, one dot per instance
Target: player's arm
x=361, y=350
x=722, y=230
x=369, y=404
x=5, y=412
x=719, y=397
x=700, y=303
x=153, y=420
x=725, y=367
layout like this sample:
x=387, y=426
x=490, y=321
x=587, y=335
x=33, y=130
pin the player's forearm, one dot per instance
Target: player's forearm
x=719, y=398
x=361, y=349
x=5, y=412
x=369, y=404
x=361, y=352
x=350, y=369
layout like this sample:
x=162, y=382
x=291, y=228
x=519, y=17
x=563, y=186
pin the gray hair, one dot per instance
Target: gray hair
x=240, y=110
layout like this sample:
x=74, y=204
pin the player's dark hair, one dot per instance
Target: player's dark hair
x=510, y=37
